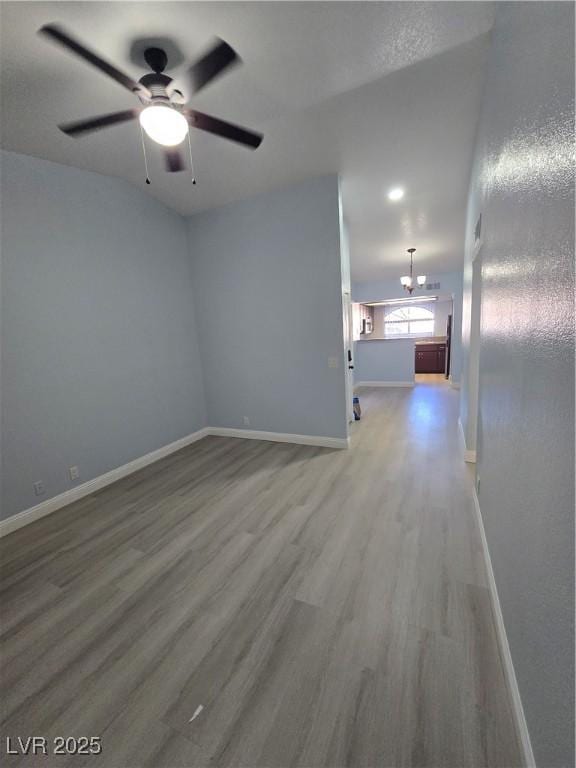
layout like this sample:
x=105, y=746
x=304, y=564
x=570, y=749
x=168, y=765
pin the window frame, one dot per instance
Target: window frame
x=408, y=322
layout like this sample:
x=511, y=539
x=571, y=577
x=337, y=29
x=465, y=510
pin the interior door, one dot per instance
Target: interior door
x=349, y=349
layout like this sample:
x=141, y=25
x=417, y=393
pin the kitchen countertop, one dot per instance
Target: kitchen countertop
x=425, y=340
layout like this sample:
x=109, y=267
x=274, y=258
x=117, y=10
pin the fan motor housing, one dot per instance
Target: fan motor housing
x=157, y=83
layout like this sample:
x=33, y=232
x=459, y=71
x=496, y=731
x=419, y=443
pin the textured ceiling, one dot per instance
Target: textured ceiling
x=382, y=93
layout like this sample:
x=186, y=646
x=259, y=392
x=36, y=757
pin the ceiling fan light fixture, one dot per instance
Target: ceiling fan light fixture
x=164, y=125
x=162, y=117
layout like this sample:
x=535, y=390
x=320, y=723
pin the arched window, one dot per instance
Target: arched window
x=408, y=321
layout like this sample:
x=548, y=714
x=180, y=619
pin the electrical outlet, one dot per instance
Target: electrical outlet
x=246, y=421
x=38, y=488
x=332, y=362
x=74, y=473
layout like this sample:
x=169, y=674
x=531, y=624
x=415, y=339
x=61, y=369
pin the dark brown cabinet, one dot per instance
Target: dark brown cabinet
x=430, y=358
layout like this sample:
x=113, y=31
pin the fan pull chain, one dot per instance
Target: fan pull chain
x=144, y=152
x=191, y=163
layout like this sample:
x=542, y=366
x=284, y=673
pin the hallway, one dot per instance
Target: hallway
x=323, y=607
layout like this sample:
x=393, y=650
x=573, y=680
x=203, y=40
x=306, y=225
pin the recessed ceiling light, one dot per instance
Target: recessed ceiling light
x=395, y=194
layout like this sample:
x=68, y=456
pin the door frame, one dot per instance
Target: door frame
x=474, y=360
x=348, y=353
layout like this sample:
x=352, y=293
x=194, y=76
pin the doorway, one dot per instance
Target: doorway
x=432, y=354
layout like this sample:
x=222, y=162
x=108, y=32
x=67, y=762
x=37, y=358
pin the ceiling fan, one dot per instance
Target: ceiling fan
x=163, y=116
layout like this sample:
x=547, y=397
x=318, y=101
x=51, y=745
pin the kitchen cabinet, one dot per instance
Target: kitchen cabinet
x=430, y=358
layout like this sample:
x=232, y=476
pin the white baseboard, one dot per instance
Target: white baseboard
x=384, y=384
x=91, y=486
x=506, y=656
x=454, y=384
x=282, y=437
x=469, y=456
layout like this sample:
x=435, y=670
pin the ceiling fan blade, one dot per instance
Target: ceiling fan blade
x=173, y=160
x=96, y=123
x=55, y=33
x=221, y=128
x=219, y=58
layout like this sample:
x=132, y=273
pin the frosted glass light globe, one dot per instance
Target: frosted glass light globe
x=164, y=125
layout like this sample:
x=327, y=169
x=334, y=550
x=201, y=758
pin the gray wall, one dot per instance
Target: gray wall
x=100, y=356
x=471, y=323
x=268, y=296
x=441, y=311
x=450, y=283
x=390, y=360
x=523, y=184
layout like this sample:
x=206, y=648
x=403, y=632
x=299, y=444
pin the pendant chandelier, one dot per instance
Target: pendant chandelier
x=408, y=280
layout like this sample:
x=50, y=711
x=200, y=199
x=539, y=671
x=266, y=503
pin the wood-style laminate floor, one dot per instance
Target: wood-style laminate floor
x=324, y=607
x=431, y=378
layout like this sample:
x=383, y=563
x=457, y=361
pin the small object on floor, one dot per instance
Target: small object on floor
x=196, y=713
x=356, y=408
